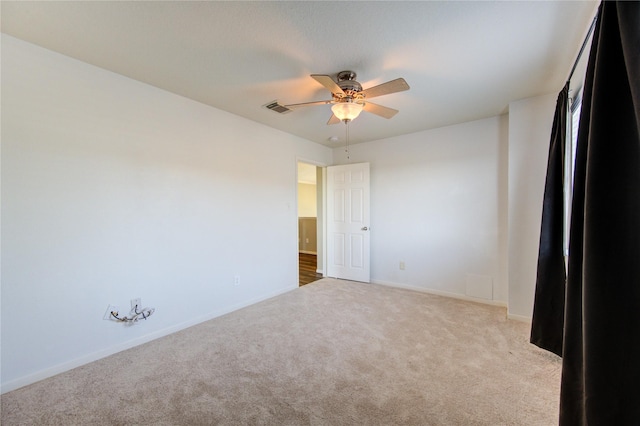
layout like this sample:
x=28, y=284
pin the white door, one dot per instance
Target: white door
x=348, y=222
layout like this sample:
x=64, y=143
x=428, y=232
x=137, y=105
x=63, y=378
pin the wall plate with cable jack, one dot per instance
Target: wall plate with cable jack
x=110, y=308
x=136, y=304
x=129, y=318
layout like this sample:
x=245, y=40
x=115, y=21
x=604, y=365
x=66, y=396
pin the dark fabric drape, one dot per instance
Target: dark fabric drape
x=601, y=349
x=547, y=325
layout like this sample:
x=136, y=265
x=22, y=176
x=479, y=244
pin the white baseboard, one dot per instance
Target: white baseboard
x=521, y=318
x=443, y=293
x=86, y=359
x=307, y=252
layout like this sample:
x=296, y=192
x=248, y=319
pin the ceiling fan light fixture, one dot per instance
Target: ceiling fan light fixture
x=347, y=111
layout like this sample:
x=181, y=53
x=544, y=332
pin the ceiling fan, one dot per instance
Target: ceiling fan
x=348, y=97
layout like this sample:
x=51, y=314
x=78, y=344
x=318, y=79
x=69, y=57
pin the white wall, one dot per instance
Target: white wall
x=462, y=205
x=438, y=203
x=113, y=189
x=530, y=122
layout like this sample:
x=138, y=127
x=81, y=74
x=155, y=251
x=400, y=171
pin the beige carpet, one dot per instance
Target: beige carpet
x=329, y=353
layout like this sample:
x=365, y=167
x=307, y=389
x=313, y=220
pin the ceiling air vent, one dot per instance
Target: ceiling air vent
x=275, y=106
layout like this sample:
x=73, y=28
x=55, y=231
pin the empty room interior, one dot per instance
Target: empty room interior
x=167, y=166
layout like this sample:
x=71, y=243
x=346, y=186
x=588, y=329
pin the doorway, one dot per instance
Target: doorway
x=310, y=235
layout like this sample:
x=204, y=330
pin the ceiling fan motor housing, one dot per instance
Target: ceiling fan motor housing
x=350, y=87
x=346, y=75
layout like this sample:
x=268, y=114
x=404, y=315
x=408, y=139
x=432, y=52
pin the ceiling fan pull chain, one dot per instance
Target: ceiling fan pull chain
x=347, y=147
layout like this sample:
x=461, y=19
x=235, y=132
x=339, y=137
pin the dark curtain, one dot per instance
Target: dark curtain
x=547, y=325
x=601, y=349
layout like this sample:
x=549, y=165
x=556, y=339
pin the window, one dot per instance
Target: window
x=573, y=116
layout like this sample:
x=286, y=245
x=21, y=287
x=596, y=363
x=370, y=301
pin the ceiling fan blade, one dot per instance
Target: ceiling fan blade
x=328, y=82
x=380, y=110
x=333, y=119
x=393, y=86
x=292, y=106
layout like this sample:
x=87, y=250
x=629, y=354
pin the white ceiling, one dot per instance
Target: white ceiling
x=462, y=60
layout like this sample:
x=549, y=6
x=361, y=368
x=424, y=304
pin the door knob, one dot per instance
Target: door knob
x=364, y=228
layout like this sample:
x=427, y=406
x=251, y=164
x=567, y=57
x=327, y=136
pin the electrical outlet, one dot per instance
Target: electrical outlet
x=236, y=280
x=137, y=302
x=107, y=314
x=402, y=265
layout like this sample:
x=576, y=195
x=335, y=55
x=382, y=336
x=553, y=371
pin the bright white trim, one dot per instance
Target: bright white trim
x=521, y=318
x=308, y=161
x=443, y=293
x=66, y=366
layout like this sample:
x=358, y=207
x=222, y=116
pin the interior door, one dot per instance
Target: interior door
x=348, y=222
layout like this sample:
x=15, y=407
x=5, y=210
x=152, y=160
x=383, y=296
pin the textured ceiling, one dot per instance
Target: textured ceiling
x=462, y=60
